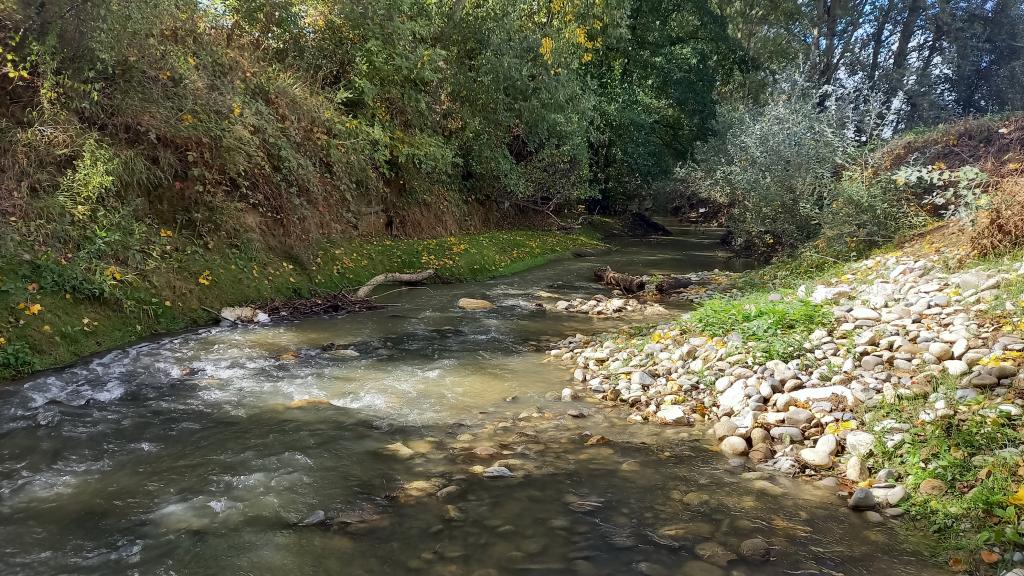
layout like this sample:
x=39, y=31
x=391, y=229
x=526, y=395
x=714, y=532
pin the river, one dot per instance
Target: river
x=206, y=453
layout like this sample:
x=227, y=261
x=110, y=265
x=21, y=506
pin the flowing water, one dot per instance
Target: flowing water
x=206, y=453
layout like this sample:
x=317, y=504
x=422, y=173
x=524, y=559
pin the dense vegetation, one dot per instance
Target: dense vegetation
x=259, y=130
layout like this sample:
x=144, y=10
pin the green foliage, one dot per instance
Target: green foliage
x=865, y=212
x=17, y=358
x=976, y=454
x=956, y=193
x=775, y=328
x=84, y=309
x=773, y=168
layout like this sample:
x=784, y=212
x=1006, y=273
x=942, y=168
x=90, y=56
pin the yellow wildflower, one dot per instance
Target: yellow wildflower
x=205, y=278
x=546, y=46
x=33, y=309
x=165, y=233
x=3, y=341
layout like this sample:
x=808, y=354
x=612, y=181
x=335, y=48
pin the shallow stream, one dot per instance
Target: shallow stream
x=206, y=453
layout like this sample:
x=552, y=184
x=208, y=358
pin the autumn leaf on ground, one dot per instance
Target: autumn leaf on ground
x=1018, y=498
x=990, y=557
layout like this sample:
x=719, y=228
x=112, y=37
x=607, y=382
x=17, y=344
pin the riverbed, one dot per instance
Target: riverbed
x=237, y=450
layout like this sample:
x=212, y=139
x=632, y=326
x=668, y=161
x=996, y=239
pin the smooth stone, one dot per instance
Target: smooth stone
x=940, y=350
x=793, y=433
x=798, y=417
x=733, y=446
x=872, y=516
x=896, y=495
x=857, y=469
x=862, y=499
x=828, y=444
x=956, y=367
x=474, y=304
x=724, y=428
x=400, y=450
x=861, y=313
x=860, y=443
x=755, y=550
x=497, y=472
x=816, y=458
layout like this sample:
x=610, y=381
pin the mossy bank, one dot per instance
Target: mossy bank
x=55, y=310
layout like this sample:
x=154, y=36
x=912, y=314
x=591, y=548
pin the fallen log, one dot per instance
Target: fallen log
x=390, y=278
x=628, y=284
x=671, y=284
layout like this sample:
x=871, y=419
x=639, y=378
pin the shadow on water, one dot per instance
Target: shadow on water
x=203, y=454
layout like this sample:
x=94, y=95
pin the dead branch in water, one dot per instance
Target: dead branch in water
x=628, y=284
x=390, y=278
x=635, y=284
x=323, y=304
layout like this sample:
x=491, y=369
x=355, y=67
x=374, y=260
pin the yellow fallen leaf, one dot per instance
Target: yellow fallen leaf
x=1018, y=498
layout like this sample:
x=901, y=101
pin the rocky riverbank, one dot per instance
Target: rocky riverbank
x=911, y=348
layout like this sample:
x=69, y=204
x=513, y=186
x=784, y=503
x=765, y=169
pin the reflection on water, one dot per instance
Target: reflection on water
x=211, y=453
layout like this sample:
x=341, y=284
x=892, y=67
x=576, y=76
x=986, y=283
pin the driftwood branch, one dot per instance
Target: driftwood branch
x=628, y=284
x=635, y=284
x=390, y=278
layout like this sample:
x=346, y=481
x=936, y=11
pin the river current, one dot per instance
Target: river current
x=255, y=451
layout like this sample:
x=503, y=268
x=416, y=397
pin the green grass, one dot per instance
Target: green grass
x=974, y=513
x=85, y=310
x=775, y=329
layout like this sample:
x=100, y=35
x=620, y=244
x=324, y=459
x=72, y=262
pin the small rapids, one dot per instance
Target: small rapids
x=258, y=451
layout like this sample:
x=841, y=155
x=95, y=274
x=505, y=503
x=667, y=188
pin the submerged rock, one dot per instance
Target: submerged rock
x=474, y=304
x=497, y=472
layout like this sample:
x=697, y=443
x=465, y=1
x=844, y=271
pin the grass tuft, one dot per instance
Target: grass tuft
x=775, y=327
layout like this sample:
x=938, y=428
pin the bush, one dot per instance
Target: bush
x=864, y=212
x=773, y=170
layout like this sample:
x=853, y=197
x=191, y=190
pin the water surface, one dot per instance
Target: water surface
x=204, y=453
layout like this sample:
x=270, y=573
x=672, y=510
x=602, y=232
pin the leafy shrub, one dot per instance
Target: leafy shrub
x=864, y=212
x=956, y=193
x=773, y=169
x=16, y=359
